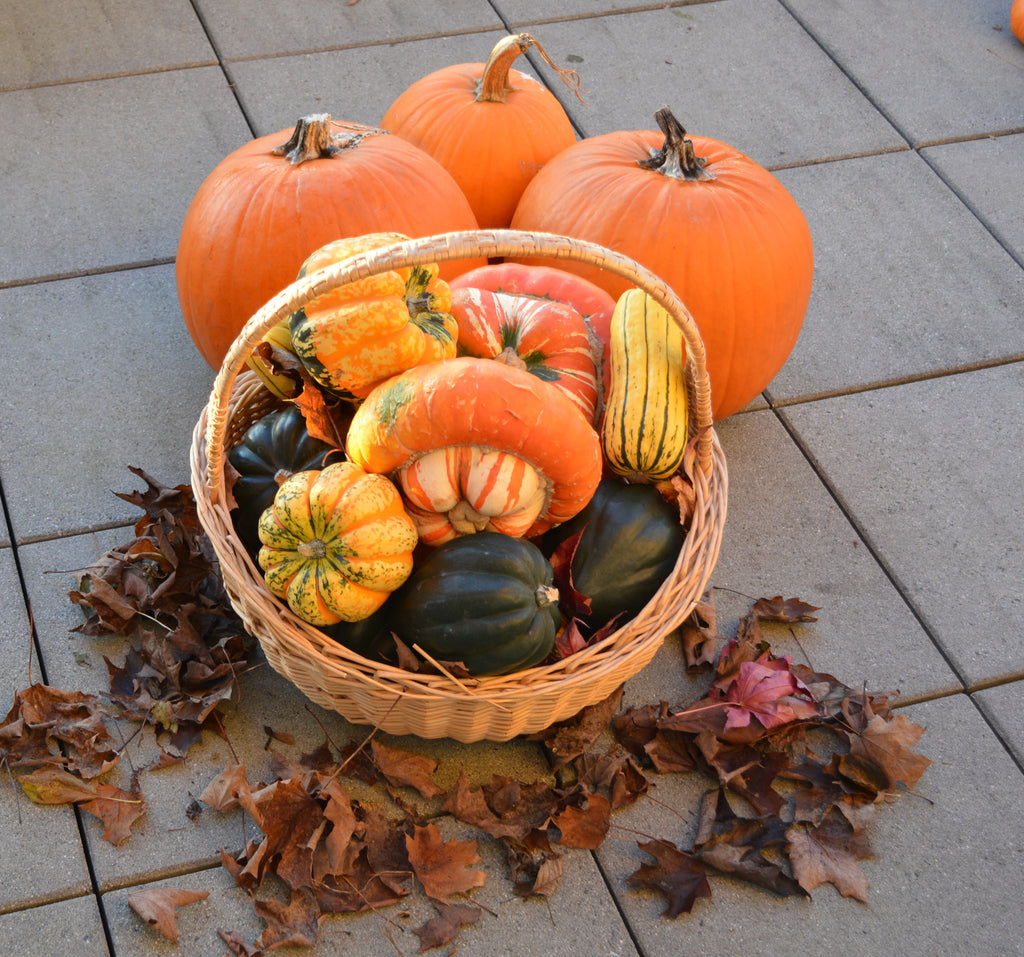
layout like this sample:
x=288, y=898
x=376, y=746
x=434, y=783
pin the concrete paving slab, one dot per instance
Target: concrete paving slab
x=926, y=471
x=16, y=646
x=129, y=392
x=49, y=41
x=1003, y=705
x=726, y=69
x=988, y=175
x=907, y=281
x=960, y=828
x=266, y=27
x=357, y=84
x=142, y=146
x=958, y=76
x=784, y=534
x=66, y=927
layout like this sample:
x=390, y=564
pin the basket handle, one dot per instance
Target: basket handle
x=442, y=248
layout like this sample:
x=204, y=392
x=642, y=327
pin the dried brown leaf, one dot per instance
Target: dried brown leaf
x=443, y=868
x=677, y=874
x=444, y=928
x=157, y=907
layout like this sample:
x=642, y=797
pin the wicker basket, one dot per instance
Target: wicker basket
x=440, y=705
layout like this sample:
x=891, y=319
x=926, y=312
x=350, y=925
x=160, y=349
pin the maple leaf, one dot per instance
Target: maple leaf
x=745, y=770
x=735, y=845
x=117, y=809
x=444, y=928
x=765, y=689
x=443, y=868
x=584, y=826
x=536, y=869
x=327, y=417
x=157, y=907
x=678, y=874
x=293, y=924
x=887, y=743
x=699, y=633
x=616, y=773
x=226, y=790
x=288, y=817
x=828, y=852
x=403, y=768
x=569, y=739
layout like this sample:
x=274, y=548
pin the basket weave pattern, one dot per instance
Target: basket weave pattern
x=440, y=705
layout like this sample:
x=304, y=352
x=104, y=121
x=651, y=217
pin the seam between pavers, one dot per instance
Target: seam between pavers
x=870, y=545
x=42, y=900
x=158, y=874
x=640, y=8
x=171, y=68
x=808, y=397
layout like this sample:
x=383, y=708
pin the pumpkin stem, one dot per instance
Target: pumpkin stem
x=546, y=595
x=676, y=158
x=494, y=86
x=314, y=549
x=312, y=139
x=509, y=357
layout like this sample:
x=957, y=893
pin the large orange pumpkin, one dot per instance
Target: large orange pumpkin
x=1017, y=19
x=490, y=126
x=712, y=223
x=271, y=203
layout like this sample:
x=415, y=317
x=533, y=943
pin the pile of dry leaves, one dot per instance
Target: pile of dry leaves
x=796, y=764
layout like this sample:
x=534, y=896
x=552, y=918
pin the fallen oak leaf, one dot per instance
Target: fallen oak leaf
x=678, y=874
x=157, y=907
x=443, y=868
x=444, y=928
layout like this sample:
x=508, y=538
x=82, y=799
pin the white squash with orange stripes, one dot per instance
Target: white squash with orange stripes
x=461, y=490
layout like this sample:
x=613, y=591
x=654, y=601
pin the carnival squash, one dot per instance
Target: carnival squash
x=490, y=126
x=272, y=202
x=272, y=449
x=477, y=445
x=546, y=338
x=366, y=331
x=336, y=543
x=625, y=544
x=645, y=423
x=721, y=230
x=486, y=601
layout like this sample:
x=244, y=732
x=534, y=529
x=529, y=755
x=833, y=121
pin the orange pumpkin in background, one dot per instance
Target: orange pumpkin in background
x=490, y=126
x=721, y=230
x=1017, y=19
x=272, y=202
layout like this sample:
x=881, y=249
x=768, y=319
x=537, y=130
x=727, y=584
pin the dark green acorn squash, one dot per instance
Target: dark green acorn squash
x=273, y=447
x=369, y=637
x=628, y=544
x=485, y=600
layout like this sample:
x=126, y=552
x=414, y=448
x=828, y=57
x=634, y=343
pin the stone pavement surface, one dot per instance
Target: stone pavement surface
x=878, y=477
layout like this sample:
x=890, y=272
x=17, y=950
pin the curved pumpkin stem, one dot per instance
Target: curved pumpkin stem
x=494, y=86
x=676, y=158
x=312, y=139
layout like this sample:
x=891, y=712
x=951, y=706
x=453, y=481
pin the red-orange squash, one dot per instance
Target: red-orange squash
x=716, y=226
x=490, y=126
x=547, y=282
x=272, y=202
x=532, y=459
x=548, y=339
x=1017, y=19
